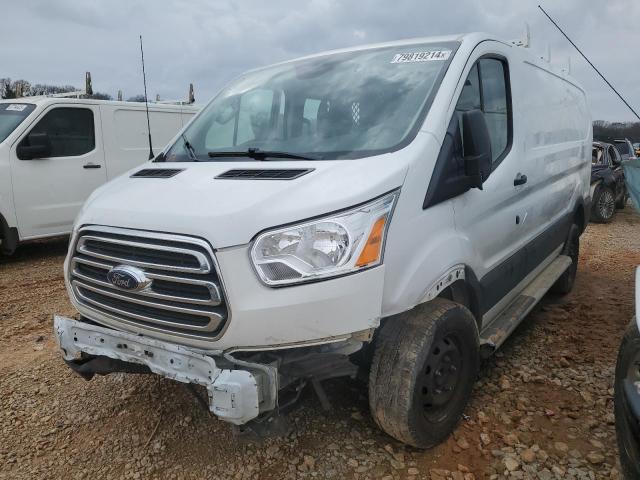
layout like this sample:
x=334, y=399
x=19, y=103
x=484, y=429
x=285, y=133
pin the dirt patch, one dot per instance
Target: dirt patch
x=542, y=407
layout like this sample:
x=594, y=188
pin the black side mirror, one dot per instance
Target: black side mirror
x=477, y=147
x=39, y=146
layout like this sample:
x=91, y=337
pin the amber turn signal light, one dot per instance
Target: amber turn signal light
x=373, y=248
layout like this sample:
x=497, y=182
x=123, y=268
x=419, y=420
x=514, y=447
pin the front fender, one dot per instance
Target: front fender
x=420, y=254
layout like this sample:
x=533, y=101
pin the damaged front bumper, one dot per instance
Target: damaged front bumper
x=237, y=391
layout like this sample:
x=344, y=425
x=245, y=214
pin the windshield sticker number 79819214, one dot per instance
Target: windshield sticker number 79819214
x=421, y=56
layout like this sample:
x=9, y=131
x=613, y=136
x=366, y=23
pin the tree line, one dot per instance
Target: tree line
x=602, y=130
x=22, y=88
x=609, y=131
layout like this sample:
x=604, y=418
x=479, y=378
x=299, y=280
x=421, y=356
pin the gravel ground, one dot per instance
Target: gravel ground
x=542, y=407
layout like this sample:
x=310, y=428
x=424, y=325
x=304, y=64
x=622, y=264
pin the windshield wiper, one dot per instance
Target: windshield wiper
x=189, y=147
x=258, y=154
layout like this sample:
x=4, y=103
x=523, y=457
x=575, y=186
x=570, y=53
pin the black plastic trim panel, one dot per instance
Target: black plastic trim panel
x=506, y=276
x=157, y=173
x=264, y=174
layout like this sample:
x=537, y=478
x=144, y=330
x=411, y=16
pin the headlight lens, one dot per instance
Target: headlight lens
x=327, y=247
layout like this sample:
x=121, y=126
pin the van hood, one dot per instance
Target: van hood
x=229, y=212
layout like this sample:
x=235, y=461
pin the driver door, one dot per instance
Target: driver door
x=49, y=192
x=497, y=220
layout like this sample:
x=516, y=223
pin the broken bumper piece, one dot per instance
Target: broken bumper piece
x=235, y=395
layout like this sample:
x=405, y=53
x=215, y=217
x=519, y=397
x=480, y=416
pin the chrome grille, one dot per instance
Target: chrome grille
x=184, y=297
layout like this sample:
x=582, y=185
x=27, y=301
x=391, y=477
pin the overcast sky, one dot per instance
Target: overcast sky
x=208, y=42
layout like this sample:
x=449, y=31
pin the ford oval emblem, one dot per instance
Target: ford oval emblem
x=128, y=278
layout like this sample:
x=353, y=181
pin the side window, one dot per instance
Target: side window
x=495, y=104
x=70, y=130
x=485, y=89
x=470, y=96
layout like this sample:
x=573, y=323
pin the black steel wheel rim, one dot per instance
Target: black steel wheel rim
x=441, y=377
x=606, y=204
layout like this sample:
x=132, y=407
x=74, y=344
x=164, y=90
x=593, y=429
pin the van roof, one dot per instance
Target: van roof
x=474, y=37
x=467, y=41
x=46, y=100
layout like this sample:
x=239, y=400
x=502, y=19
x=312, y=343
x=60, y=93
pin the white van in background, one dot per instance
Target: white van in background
x=398, y=208
x=55, y=151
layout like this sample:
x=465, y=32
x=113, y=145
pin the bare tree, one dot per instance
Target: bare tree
x=6, y=90
x=100, y=96
x=21, y=88
x=13, y=89
x=136, y=98
x=44, y=89
x=609, y=131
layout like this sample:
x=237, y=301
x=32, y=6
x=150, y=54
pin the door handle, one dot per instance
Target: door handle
x=520, y=179
x=91, y=165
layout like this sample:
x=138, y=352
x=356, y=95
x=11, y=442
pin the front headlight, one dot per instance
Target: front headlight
x=327, y=247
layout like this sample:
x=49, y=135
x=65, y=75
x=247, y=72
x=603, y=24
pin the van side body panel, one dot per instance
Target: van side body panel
x=503, y=232
x=41, y=197
x=48, y=192
x=126, y=135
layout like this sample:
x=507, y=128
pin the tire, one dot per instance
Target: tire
x=604, y=205
x=627, y=425
x=565, y=283
x=620, y=204
x=9, y=238
x=424, y=367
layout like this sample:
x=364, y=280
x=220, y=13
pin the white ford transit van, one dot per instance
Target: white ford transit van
x=55, y=151
x=397, y=208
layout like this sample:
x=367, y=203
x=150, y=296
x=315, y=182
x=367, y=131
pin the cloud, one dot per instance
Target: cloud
x=208, y=43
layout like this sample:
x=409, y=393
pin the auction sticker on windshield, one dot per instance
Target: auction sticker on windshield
x=15, y=107
x=421, y=56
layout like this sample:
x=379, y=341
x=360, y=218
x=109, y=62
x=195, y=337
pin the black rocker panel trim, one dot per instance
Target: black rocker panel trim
x=504, y=278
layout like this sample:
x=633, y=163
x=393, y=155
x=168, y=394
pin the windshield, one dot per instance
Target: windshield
x=12, y=115
x=343, y=105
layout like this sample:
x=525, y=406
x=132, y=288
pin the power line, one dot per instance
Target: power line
x=589, y=62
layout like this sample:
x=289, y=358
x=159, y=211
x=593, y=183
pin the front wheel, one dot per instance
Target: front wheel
x=424, y=367
x=604, y=205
